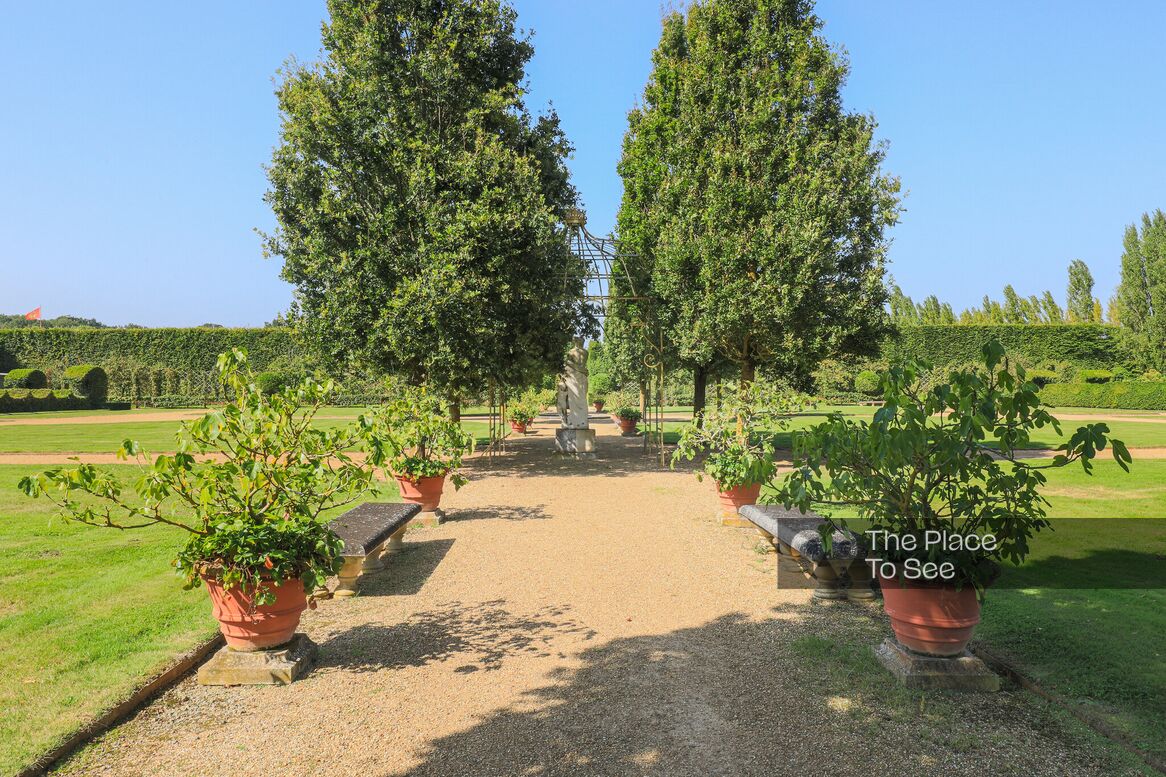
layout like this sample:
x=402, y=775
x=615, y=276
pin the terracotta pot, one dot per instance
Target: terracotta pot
x=265, y=627
x=626, y=426
x=424, y=491
x=518, y=427
x=598, y=405
x=930, y=618
x=738, y=496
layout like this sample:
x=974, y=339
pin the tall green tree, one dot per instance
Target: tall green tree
x=419, y=204
x=1079, y=299
x=1141, y=294
x=767, y=223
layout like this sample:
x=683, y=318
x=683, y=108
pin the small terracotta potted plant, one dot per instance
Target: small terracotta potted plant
x=598, y=405
x=425, y=446
x=628, y=418
x=520, y=419
x=936, y=475
x=249, y=484
x=737, y=442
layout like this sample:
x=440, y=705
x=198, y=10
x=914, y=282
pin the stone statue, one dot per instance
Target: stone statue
x=575, y=384
x=573, y=435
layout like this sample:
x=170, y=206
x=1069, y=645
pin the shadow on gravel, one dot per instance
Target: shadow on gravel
x=499, y=512
x=406, y=572
x=479, y=635
x=534, y=456
x=799, y=693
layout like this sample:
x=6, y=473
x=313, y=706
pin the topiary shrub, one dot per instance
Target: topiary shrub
x=88, y=381
x=1094, y=376
x=35, y=400
x=29, y=378
x=270, y=383
x=1043, y=378
x=1124, y=395
x=866, y=382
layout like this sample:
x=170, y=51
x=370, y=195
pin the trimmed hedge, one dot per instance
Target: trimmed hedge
x=34, y=400
x=88, y=381
x=1126, y=395
x=1093, y=346
x=26, y=379
x=176, y=401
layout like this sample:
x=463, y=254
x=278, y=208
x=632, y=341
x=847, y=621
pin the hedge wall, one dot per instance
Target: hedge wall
x=1129, y=395
x=33, y=400
x=1082, y=345
x=185, y=350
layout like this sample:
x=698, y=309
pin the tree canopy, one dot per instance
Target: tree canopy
x=1141, y=294
x=757, y=198
x=419, y=204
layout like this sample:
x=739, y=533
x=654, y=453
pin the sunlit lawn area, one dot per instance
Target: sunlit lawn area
x=155, y=436
x=86, y=615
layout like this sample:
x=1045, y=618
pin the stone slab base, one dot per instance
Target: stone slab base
x=960, y=673
x=735, y=520
x=278, y=666
x=428, y=518
x=575, y=440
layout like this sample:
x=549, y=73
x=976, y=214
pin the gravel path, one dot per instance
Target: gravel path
x=590, y=617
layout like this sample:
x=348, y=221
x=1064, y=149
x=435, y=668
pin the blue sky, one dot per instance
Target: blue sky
x=132, y=136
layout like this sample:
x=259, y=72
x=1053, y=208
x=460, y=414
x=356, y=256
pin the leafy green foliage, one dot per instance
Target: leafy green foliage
x=249, y=483
x=26, y=378
x=1128, y=395
x=1141, y=295
x=419, y=204
x=1081, y=345
x=423, y=441
x=87, y=380
x=866, y=382
x=36, y=400
x=271, y=382
x=527, y=405
x=925, y=464
x=758, y=199
x=628, y=414
x=1095, y=376
x=1079, y=307
x=738, y=439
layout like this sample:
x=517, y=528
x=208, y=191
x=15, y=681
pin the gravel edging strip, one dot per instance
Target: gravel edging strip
x=1094, y=722
x=123, y=709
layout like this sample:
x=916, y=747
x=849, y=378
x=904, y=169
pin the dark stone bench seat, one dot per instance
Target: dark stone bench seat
x=841, y=574
x=371, y=532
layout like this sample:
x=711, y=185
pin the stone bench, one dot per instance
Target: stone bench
x=371, y=532
x=843, y=574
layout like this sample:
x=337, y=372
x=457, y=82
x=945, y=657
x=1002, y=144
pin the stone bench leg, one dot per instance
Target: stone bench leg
x=828, y=584
x=372, y=562
x=349, y=576
x=395, y=543
x=769, y=539
x=860, y=581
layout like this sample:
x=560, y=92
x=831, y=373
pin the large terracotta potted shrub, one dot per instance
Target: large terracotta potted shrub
x=737, y=443
x=425, y=446
x=524, y=409
x=628, y=418
x=938, y=476
x=249, y=484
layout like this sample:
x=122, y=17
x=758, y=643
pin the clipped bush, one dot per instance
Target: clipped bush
x=36, y=400
x=1125, y=395
x=866, y=382
x=1043, y=378
x=270, y=383
x=175, y=401
x=1094, y=376
x=26, y=378
x=1152, y=376
x=88, y=381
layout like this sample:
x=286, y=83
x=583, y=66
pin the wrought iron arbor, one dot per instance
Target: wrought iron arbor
x=610, y=280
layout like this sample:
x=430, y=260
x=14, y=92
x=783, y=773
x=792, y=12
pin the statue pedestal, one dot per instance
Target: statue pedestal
x=575, y=441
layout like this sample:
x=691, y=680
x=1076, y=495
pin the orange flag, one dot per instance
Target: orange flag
x=32, y=316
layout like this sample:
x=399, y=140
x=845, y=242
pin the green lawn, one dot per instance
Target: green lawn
x=1086, y=615
x=86, y=615
x=155, y=436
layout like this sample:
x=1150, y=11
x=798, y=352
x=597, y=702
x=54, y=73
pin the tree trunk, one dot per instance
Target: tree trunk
x=699, y=392
x=455, y=410
x=748, y=373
